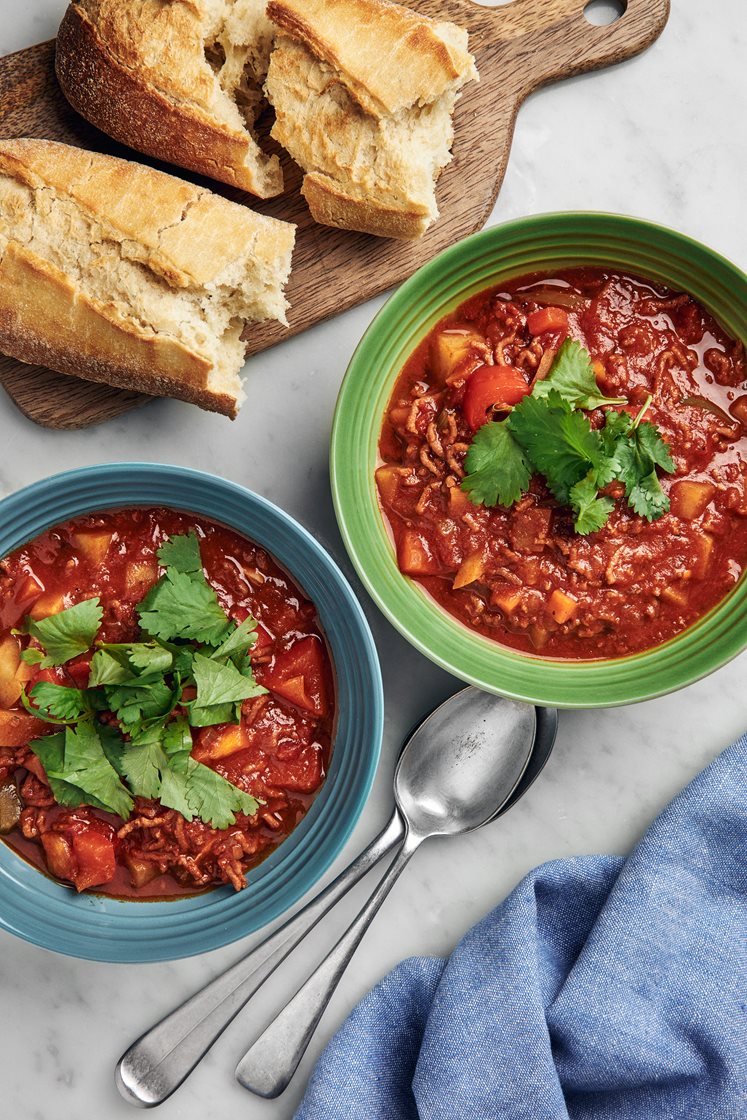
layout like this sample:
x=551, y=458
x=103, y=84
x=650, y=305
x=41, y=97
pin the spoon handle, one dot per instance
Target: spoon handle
x=160, y=1060
x=269, y=1064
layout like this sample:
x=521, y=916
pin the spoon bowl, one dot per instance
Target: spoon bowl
x=463, y=763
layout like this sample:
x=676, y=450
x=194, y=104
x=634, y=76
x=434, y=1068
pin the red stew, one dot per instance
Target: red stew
x=279, y=751
x=521, y=575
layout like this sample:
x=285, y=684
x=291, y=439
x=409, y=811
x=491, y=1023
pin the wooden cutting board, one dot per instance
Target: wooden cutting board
x=518, y=47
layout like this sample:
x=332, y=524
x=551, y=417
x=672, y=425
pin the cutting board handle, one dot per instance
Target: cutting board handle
x=557, y=39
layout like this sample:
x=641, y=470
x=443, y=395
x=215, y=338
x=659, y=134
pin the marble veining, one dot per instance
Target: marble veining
x=657, y=137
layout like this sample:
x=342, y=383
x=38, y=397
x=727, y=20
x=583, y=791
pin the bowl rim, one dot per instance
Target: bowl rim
x=96, y=927
x=370, y=376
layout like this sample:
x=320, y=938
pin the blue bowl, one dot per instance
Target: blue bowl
x=104, y=929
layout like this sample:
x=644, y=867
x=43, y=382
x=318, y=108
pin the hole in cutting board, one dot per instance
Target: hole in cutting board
x=603, y=12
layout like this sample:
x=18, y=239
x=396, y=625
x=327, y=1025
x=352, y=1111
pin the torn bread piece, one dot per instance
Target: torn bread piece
x=114, y=272
x=180, y=80
x=363, y=92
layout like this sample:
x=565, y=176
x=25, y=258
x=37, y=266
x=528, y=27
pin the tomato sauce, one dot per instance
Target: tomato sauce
x=522, y=576
x=278, y=753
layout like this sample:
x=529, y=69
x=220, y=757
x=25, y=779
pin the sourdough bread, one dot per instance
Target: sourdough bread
x=114, y=272
x=181, y=81
x=363, y=92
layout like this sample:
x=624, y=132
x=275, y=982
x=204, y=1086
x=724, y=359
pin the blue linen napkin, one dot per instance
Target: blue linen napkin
x=601, y=989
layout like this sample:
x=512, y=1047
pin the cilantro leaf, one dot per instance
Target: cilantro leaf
x=181, y=553
x=32, y=656
x=107, y=669
x=214, y=714
x=498, y=472
x=572, y=376
x=647, y=497
x=79, y=772
x=559, y=442
x=214, y=799
x=616, y=424
x=51, y=753
x=222, y=683
x=68, y=634
x=113, y=745
x=173, y=793
x=651, y=444
x=59, y=701
x=145, y=657
x=638, y=455
x=220, y=689
x=238, y=641
x=591, y=512
x=177, y=742
x=87, y=766
x=183, y=606
x=150, y=658
x=143, y=761
x=140, y=698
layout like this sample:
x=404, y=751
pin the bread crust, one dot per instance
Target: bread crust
x=391, y=58
x=119, y=101
x=363, y=92
x=189, y=235
x=133, y=240
x=45, y=320
x=332, y=206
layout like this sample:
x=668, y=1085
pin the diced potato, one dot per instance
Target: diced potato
x=506, y=598
x=142, y=871
x=24, y=672
x=449, y=347
x=93, y=543
x=47, y=605
x=28, y=590
x=213, y=746
x=398, y=416
x=140, y=576
x=415, y=556
x=387, y=480
x=562, y=606
x=538, y=635
x=676, y=595
x=459, y=503
x=17, y=728
x=59, y=852
x=95, y=858
x=10, y=659
x=471, y=569
x=704, y=545
x=689, y=499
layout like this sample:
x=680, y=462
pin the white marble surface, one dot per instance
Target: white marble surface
x=661, y=137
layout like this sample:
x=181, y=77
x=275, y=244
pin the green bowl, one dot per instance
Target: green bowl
x=535, y=244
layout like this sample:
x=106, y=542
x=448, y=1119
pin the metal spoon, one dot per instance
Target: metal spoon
x=456, y=772
x=162, y=1058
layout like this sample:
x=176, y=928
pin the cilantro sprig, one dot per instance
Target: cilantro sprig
x=546, y=434
x=191, y=644
x=66, y=635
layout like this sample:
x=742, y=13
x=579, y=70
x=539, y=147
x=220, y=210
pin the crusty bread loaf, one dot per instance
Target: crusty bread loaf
x=179, y=80
x=363, y=92
x=114, y=272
